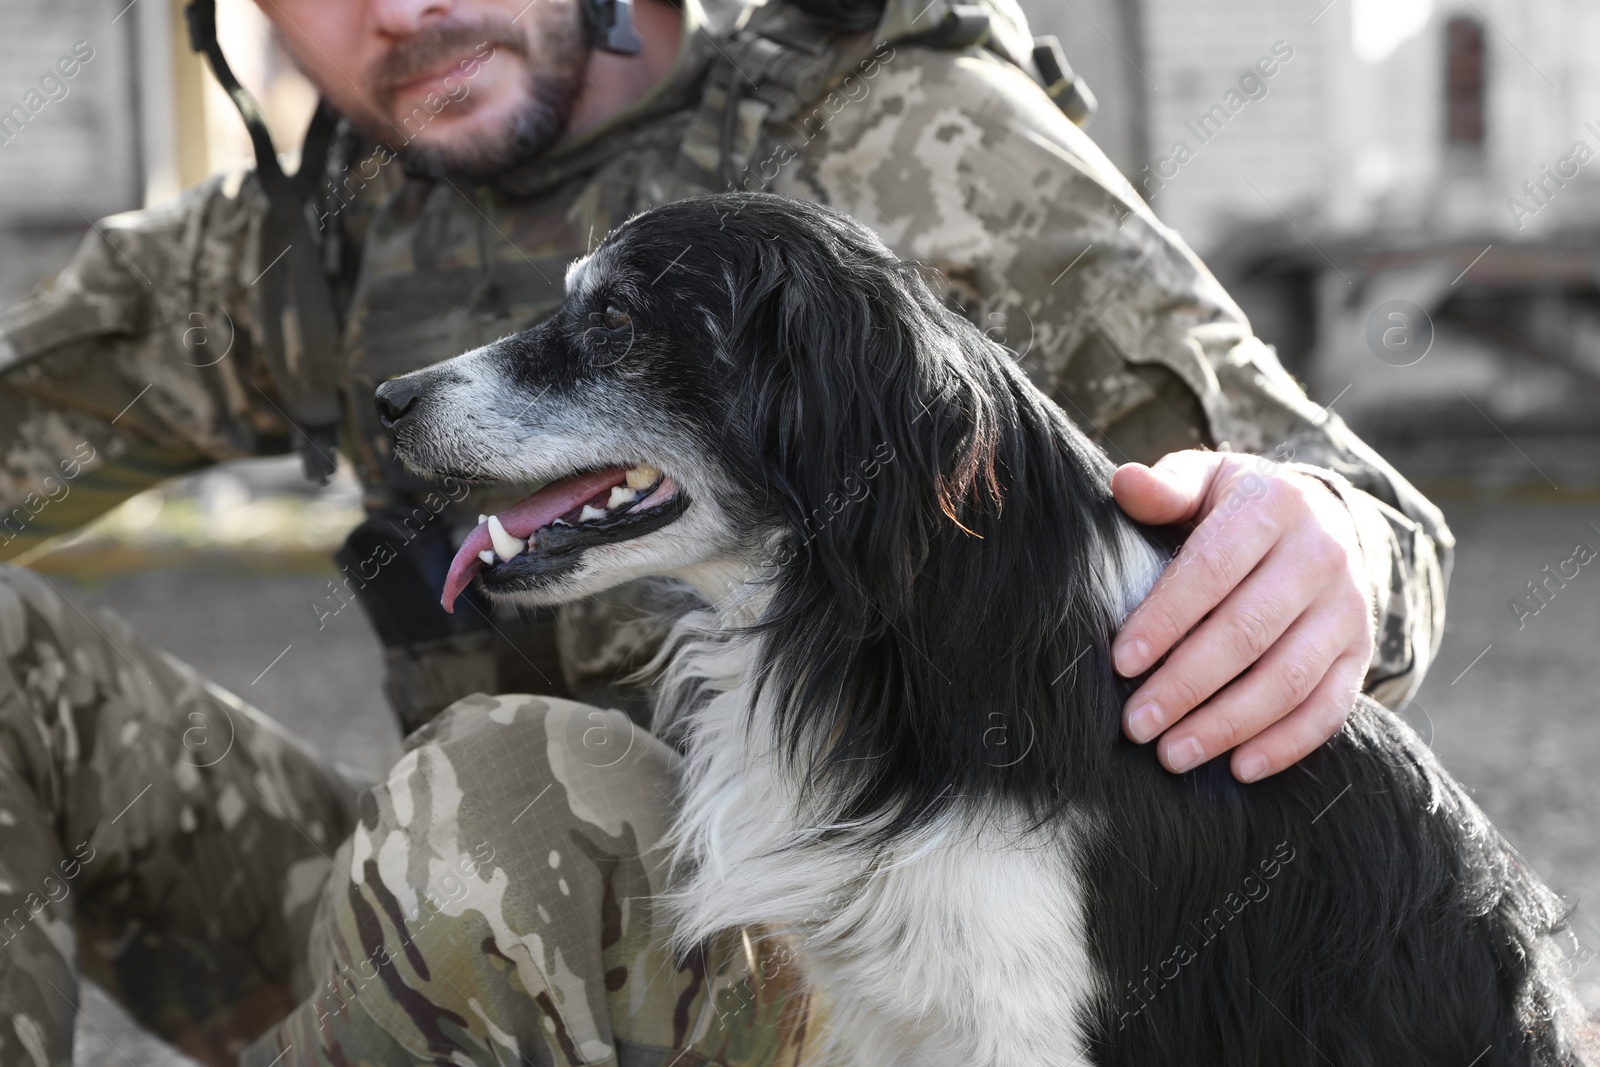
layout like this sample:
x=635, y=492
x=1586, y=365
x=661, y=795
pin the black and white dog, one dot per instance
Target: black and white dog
x=901, y=722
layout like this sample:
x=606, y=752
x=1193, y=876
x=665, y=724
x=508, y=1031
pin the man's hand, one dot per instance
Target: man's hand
x=1266, y=612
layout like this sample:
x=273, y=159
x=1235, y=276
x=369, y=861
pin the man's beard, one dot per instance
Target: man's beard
x=555, y=75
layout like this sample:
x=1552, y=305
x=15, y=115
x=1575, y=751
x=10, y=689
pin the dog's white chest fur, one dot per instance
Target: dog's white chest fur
x=963, y=946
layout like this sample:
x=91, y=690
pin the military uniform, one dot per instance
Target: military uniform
x=146, y=359
x=492, y=899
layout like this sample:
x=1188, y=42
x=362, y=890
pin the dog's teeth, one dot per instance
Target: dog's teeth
x=487, y=556
x=591, y=513
x=482, y=519
x=621, y=494
x=643, y=476
x=505, y=546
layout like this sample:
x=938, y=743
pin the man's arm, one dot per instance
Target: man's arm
x=134, y=366
x=960, y=162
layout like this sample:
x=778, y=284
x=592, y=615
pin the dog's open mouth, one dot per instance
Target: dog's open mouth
x=545, y=533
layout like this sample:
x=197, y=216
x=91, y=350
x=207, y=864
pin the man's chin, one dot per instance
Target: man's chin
x=479, y=145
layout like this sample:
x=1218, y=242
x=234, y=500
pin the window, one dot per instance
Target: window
x=1463, y=83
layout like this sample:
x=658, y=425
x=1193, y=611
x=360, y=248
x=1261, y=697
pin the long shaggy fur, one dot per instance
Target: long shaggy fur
x=902, y=725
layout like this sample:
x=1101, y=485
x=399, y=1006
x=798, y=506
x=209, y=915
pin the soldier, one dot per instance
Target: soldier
x=490, y=900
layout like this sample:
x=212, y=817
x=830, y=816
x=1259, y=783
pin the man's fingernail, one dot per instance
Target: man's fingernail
x=1145, y=722
x=1252, y=767
x=1184, y=755
x=1131, y=657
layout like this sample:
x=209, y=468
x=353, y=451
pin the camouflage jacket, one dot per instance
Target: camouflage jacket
x=144, y=358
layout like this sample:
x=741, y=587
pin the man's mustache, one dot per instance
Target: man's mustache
x=435, y=46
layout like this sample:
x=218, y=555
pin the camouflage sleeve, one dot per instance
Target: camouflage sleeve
x=497, y=903
x=960, y=162
x=135, y=365
x=157, y=836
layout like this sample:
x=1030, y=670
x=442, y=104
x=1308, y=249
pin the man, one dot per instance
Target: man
x=491, y=900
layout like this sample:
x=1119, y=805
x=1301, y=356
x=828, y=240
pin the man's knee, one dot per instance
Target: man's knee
x=55, y=672
x=507, y=772
x=514, y=851
x=79, y=688
x=26, y=602
x=51, y=644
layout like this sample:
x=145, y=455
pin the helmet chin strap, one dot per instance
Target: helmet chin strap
x=612, y=22
x=295, y=302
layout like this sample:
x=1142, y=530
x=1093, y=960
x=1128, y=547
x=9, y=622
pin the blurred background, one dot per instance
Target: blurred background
x=1406, y=207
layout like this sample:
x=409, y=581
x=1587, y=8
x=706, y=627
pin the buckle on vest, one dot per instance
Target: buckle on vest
x=963, y=26
x=1068, y=90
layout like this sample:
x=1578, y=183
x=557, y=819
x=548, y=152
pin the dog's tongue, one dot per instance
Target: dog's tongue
x=522, y=519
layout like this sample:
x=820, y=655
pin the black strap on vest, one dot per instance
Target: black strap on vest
x=294, y=298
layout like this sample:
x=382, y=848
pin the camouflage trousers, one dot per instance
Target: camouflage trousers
x=490, y=902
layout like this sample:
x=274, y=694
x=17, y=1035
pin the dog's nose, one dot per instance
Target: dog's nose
x=395, y=399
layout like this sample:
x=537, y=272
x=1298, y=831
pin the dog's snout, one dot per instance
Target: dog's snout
x=395, y=400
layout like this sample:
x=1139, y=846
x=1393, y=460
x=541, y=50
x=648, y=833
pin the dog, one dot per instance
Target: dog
x=900, y=719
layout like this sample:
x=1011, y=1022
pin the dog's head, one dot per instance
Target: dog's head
x=724, y=382
x=755, y=388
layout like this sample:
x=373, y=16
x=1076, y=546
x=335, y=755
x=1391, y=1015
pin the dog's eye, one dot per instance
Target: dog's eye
x=614, y=318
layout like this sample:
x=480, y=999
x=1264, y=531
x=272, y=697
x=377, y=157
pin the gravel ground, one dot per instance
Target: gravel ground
x=1520, y=726
x=1510, y=710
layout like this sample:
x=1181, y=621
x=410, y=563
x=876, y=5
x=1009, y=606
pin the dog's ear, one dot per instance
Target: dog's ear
x=858, y=368
x=906, y=618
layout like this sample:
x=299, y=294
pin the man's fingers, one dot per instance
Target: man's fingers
x=1169, y=492
x=1237, y=634
x=1281, y=681
x=1305, y=729
x=1217, y=556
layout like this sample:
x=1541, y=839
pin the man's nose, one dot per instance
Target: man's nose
x=403, y=18
x=395, y=400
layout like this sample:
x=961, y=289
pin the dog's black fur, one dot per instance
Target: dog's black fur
x=1355, y=910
